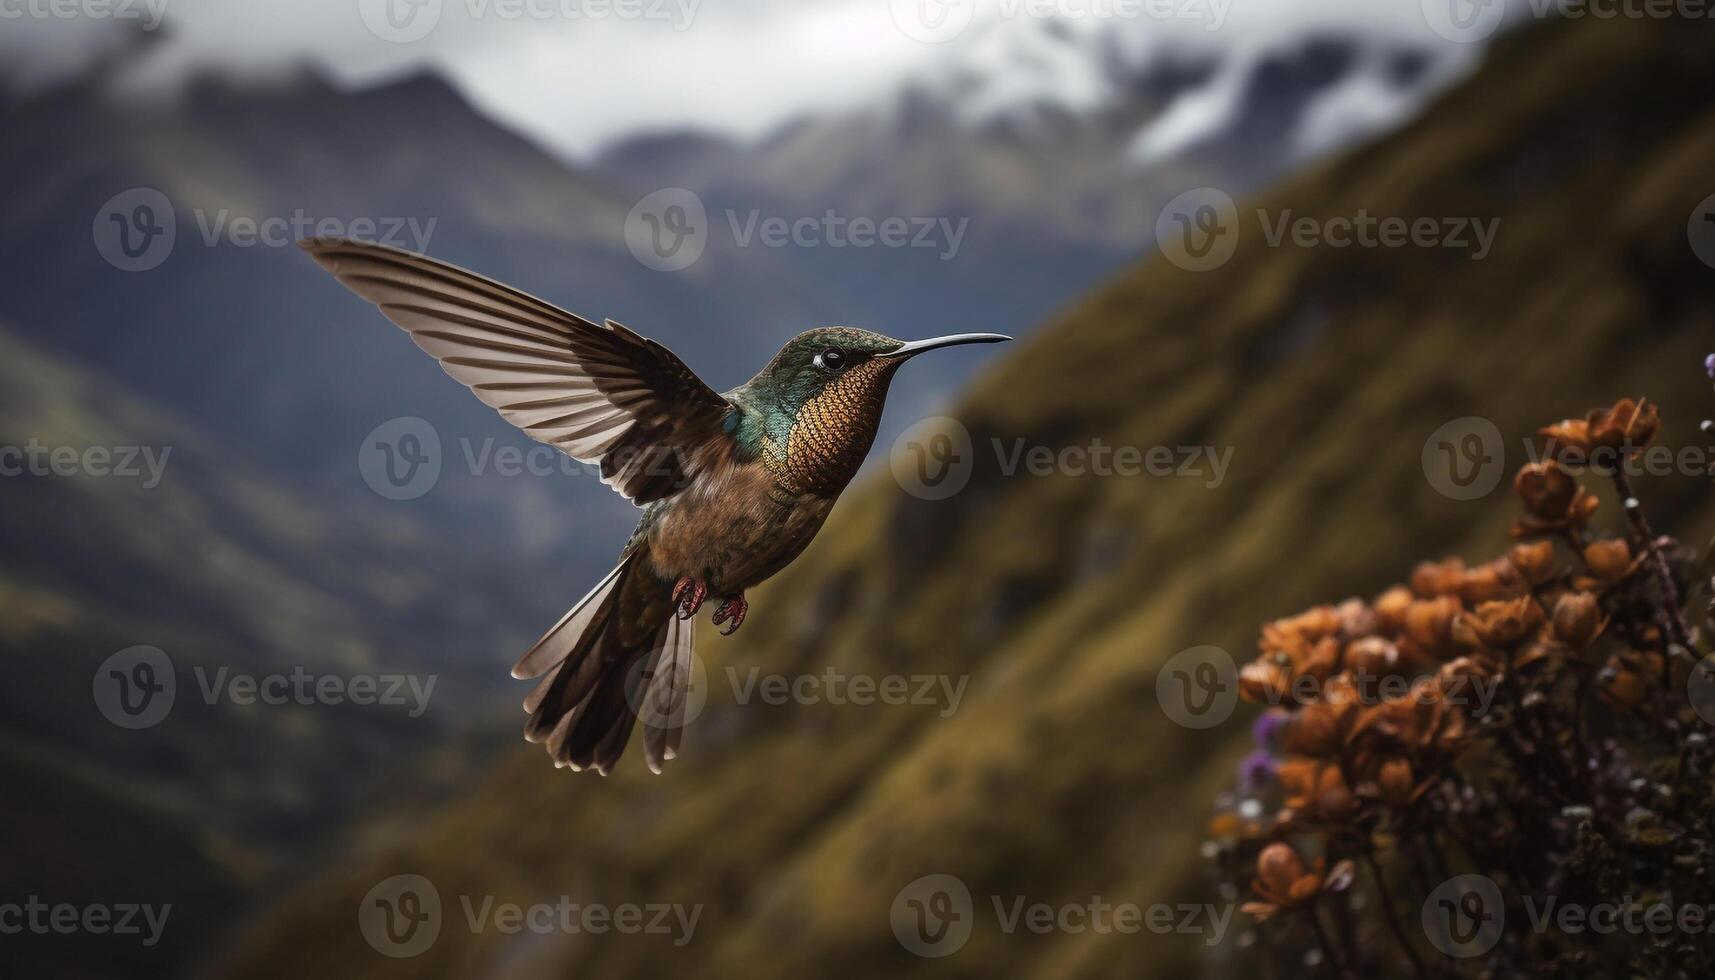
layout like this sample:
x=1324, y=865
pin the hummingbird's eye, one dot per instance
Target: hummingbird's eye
x=830, y=360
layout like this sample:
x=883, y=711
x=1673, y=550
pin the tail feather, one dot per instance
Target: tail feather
x=575, y=671
x=669, y=695
x=558, y=643
x=598, y=683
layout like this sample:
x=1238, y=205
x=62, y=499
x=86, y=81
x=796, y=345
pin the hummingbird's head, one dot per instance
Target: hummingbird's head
x=828, y=386
x=851, y=365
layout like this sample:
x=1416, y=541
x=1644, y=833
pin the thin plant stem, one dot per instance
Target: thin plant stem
x=1390, y=915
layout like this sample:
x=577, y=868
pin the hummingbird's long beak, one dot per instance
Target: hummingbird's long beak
x=915, y=347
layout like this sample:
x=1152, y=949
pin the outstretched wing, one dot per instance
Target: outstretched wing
x=601, y=394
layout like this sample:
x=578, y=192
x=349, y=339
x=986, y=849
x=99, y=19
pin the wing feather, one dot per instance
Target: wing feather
x=603, y=395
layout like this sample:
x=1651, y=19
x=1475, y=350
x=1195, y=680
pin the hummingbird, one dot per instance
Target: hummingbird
x=732, y=486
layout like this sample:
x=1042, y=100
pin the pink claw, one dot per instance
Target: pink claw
x=689, y=594
x=734, y=607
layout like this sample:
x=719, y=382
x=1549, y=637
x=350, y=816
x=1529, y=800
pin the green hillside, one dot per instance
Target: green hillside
x=1058, y=778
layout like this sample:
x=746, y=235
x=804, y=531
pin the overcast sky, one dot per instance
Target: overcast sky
x=576, y=73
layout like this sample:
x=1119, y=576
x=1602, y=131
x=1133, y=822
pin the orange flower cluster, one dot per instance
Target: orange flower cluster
x=1377, y=698
x=1626, y=428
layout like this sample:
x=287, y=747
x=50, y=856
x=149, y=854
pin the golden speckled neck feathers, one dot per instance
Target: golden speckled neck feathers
x=833, y=431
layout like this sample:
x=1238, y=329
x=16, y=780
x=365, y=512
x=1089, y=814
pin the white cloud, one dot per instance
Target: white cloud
x=574, y=82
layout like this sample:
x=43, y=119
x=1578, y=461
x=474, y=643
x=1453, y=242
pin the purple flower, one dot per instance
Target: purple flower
x=1256, y=771
x=1709, y=365
x=1266, y=729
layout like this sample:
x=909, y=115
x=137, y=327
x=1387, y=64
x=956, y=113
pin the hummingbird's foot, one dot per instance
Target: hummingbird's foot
x=732, y=607
x=688, y=595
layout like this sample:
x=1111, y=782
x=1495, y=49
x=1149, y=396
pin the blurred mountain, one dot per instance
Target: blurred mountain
x=1044, y=154
x=1059, y=147
x=77, y=838
x=175, y=540
x=1058, y=778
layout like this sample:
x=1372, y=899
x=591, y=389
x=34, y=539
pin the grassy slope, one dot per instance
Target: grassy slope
x=221, y=567
x=1059, y=778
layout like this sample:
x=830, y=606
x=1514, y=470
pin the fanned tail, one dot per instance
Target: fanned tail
x=598, y=682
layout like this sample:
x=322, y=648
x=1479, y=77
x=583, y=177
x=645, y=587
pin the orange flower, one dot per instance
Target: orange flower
x=1498, y=625
x=1283, y=882
x=1396, y=784
x=1577, y=619
x=1265, y=680
x=1390, y=608
x=1316, y=789
x=1610, y=560
x=1371, y=657
x=1308, y=626
x=1627, y=678
x=1546, y=488
x=1497, y=579
x=1429, y=622
x=1322, y=729
x=1626, y=427
x=1553, y=501
x=1534, y=560
x=1430, y=578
